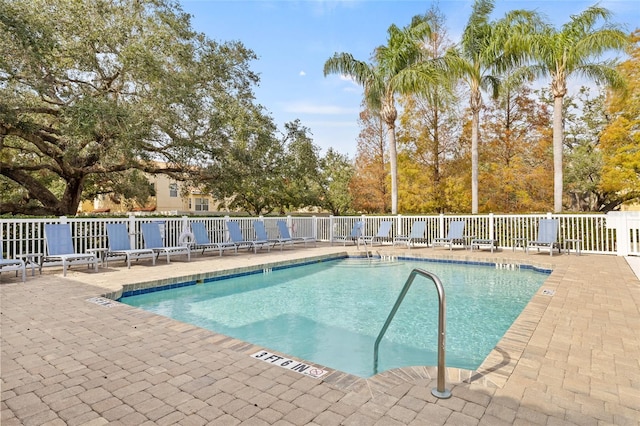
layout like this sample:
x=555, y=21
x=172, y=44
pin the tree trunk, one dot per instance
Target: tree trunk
x=557, y=154
x=393, y=161
x=72, y=195
x=475, y=133
x=389, y=113
x=475, y=103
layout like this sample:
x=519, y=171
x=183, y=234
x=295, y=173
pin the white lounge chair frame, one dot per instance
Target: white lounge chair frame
x=119, y=245
x=235, y=235
x=417, y=233
x=454, y=236
x=59, y=244
x=263, y=235
x=283, y=229
x=12, y=265
x=547, y=236
x=354, y=236
x=384, y=233
x=202, y=240
x=153, y=240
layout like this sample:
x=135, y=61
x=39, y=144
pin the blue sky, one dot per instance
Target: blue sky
x=294, y=38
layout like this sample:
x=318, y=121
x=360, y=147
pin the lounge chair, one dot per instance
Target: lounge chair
x=262, y=235
x=547, y=236
x=455, y=235
x=60, y=248
x=286, y=235
x=383, y=234
x=119, y=245
x=12, y=265
x=203, y=242
x=417, y=233
x=354, y=236
x=153, y=240
x=235, y=234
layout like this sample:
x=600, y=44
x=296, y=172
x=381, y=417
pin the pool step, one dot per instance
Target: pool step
x=371, y=261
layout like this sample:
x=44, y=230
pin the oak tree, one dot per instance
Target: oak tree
x=93, y=91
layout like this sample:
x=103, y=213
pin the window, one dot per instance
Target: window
x=173, y=190
x=202, y=204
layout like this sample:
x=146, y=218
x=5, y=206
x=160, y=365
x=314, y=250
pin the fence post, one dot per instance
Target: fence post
x=63, y=220
x=314, y=227
x=441, y=233
x=132, y=231
x=331, y=225
x=491, y=227
x=618, y=221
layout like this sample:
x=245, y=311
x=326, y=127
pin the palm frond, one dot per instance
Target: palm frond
x=346, y=64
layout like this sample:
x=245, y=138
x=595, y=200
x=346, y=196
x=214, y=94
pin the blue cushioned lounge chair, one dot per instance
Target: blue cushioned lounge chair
x=202, y=240
x=417, y=233
x=384, y=233
x=153, y=240
x=263, y=235
x=119, y=245
x=60, y=248
x=235, y=235
x=286, y=235
x=455, y=235
x=12, y=265
x=354, y=236
x=547, y=236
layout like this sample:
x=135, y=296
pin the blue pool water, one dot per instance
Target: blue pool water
x=331, y=312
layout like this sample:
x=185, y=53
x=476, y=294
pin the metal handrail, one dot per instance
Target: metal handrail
x=440, y=391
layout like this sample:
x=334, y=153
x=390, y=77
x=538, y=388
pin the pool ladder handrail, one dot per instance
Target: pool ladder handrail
x=440, y=391
x=364, y=242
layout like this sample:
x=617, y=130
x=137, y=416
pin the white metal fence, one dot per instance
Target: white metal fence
x=614, y=233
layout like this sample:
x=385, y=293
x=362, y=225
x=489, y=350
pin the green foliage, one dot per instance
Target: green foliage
x=92, y=90
x=259, y=173
x=576, y=48
x=620, y=141
x=334, y=176
x=398, y=68
x=585, y=119
x=368, y=187
x=516, y=159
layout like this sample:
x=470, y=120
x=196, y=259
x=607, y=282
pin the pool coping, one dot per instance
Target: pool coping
x=494, y=371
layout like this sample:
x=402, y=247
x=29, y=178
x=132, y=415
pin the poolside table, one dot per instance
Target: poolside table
x=32, y=260
x=575, y=244
x=484, y=243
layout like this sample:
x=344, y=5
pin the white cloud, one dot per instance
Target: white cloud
x=353, y=86
x=302, y=73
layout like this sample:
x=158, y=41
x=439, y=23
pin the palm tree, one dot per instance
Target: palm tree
x=398, y=68
x=486, y=51
x=474, y=61
x=575, y=49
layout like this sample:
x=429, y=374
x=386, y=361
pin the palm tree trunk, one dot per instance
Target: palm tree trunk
x=393, y=160
x=475, y=134
x=557, y=154
x=389, y=114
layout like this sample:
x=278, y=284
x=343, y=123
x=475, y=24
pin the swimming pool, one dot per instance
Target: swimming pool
x=331, y=312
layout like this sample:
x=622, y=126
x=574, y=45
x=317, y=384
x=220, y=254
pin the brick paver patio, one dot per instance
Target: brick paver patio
x=571, y=358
